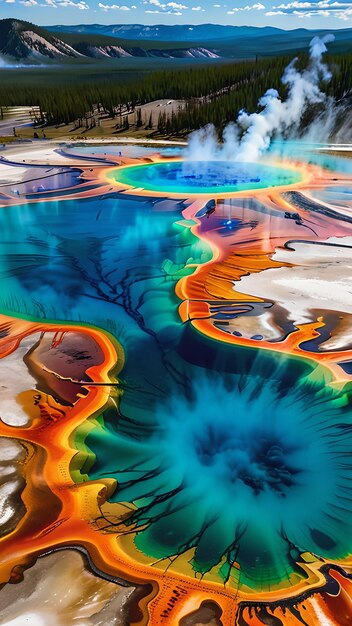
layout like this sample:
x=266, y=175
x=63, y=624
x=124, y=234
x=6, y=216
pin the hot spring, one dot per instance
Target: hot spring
x=203, y=177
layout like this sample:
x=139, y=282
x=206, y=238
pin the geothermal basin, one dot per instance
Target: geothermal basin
x=203, y=177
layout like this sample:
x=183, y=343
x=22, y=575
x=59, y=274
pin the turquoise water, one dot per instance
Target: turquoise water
x=128, y=150
x=203, y=177
x=234, y=466
x=312, y=153
x=55, y=256
x=227, y=450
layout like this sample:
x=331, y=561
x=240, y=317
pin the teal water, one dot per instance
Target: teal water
x=317, y=154
x=83, y=259
x=227, y=450
x=234, y=466
x=203, y=177
x=128, y=150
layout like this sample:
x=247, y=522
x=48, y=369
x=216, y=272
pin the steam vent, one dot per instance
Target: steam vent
x=203, y=177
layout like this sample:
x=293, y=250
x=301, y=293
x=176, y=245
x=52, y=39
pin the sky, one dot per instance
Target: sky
x=324, y=14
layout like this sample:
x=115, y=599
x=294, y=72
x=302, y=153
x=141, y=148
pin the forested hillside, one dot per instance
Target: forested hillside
x=213, y=92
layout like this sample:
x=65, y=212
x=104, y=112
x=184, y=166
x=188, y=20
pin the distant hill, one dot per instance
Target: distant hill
x=163, y=32
x=233, y=42
x=27, y=42
x=102, y=46
x=226, y=41
x=285, y=42
x=24, y=41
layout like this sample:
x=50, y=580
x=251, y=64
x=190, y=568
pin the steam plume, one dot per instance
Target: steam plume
x=9, y=63
x=251, y=135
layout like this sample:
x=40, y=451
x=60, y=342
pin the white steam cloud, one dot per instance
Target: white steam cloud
x=6, y=63
x=251, y=135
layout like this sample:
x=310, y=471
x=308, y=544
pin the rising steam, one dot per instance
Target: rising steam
x=252, y=133
x=9, y=63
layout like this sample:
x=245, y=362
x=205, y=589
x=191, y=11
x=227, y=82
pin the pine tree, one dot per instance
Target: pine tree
x=150, y=122
x=139, y=121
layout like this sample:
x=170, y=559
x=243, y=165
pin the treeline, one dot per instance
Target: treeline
x=66, y=100
x=221, y=110
x=212, y=92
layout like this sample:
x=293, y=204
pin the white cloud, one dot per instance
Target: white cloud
x=82, y=6
x=164, y=12
x=175, y=5
x=322, y=4
x=53, y=4
x=198, y=9
x=113, y=7
x=294, y=5
x=258, y=6
x=306, y=9
x=168, y=8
